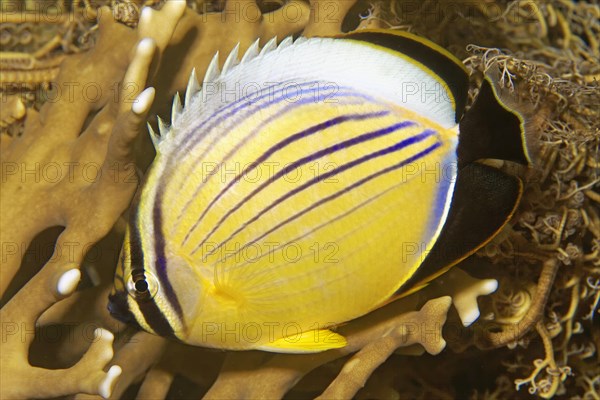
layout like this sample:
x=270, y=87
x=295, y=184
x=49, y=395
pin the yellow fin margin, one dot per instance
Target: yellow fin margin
x=307, y=342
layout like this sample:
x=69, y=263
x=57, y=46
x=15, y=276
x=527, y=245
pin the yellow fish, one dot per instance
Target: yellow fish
x=310, y=183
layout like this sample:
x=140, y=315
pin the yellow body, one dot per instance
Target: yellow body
x=290, y=281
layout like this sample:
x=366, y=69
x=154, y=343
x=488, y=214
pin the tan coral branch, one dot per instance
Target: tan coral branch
x=359, y=368
x=21, y=380
x=242, y=375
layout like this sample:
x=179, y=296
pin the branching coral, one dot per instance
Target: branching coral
x=88, y=216
x=19, y=378
x=394, y=327
x=87, y=132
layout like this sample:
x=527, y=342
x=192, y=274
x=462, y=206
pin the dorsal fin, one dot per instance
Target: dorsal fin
x=212, y=72
x=269, y=46
x=395, y=48
x=437, y=59
x=192, y=87
x=163, y=128
x=251, y=53
x=232, y=59
x=176, y=108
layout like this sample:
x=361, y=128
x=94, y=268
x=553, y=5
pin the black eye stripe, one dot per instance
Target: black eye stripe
x=136, y=255
x=161, y=259
x=119, y=309
x=148, y=308
x=155, y=319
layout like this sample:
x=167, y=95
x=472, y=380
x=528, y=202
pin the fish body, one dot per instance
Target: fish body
x=301, y=188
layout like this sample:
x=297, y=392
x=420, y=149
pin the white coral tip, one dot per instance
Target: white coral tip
x=466, y=300
x=68, y=282
x=145, y=16
x=108, y=383
x=146, y=46
x=143, y=101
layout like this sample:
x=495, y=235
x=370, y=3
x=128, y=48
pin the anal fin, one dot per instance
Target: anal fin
x=313, y=341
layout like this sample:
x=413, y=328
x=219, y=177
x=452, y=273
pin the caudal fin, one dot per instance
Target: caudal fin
x=496, y=127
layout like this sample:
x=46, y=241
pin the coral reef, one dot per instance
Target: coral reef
x=79, y=80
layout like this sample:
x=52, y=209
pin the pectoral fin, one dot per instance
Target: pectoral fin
x=307, y=342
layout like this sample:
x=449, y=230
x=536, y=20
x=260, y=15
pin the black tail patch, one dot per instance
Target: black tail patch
x=484, y=200
x=492, y=130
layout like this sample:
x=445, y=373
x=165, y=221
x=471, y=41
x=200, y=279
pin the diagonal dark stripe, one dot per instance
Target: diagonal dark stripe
x=155, y=319
x=161, y=259
x=249, y=105
x=278, y=146
x=396, y=147
x=304, y=160
x=313, y=230
x=345, y=190
x=150, y=311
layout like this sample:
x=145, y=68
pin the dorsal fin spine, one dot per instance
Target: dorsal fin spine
x=212, y=72
x=288, y=41
x=153, y=136
x=270, y=46
x=163, y=128
x=232, y=59
x=251, y=53
x=192, y=87
x=176, y=108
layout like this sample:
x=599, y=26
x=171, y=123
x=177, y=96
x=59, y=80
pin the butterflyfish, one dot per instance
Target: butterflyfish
x=309, y=183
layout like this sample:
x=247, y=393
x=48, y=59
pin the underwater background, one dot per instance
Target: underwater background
x=539, y=333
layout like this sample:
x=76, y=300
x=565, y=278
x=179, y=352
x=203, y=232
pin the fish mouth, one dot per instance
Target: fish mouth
x=119, y=309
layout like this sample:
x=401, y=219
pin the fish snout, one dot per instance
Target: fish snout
x=119, y=309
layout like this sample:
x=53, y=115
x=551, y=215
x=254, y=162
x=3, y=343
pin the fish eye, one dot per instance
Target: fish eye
x=142, y=285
